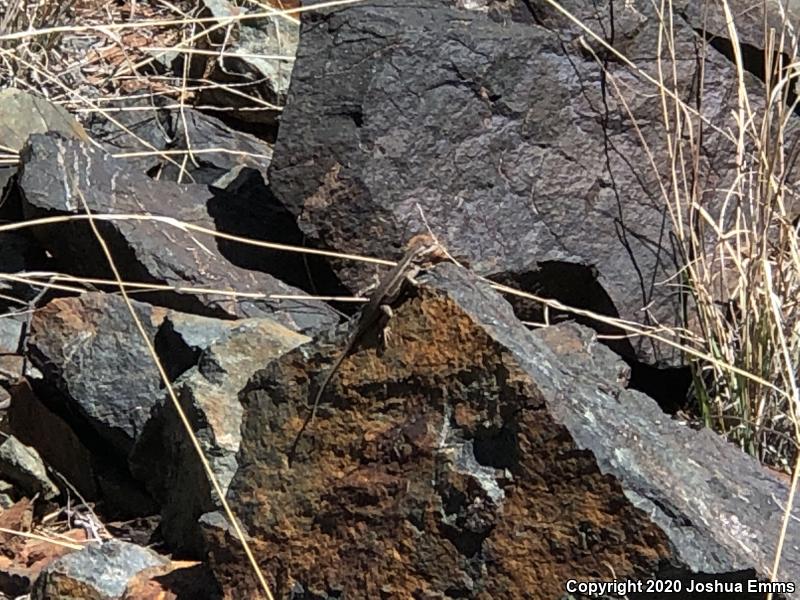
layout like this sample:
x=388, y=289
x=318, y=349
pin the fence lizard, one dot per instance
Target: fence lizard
x=420, y=249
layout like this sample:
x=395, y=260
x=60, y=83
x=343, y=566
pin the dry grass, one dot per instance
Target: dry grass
x=742, y=265
x=741, y=261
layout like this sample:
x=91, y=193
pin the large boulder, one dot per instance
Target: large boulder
x=470, y=457
x=506, y=128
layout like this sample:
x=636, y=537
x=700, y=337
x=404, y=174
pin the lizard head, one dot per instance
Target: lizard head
x=426, y=249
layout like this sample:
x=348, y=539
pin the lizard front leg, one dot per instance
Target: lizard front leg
x=386, y=332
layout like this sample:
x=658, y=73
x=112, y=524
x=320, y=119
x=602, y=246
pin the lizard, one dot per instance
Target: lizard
x=419, y=249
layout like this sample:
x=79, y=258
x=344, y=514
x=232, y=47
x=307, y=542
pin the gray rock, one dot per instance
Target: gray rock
x=509, y=136
x=38, y=426
x=22, y=114
x=258, y=62
x=6, y=489
x=170, y=129
x=751, y=20
x=11, y=368
x=10, y=333
x=53, y=172
x=98, y=572
x=164, y=457
x=22, y=466
x=90, y=351
x=236, y=165
x=5, y=399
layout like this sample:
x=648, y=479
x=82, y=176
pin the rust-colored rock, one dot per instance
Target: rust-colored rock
x=435, y=466
x=470, y=457
x=19, y=571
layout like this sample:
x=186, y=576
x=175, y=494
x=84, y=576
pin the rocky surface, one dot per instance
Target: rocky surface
x=61, y=447
x=471, y=457
x=98, y=572
x=23, y=114
x=23, y=558
x=254, y=74
x=98, y=388
x=530, y=169
x=227, y=160
x=148, y=251
x=455, y=454
x=96, y=365
x=208, y=392
x=22, y=466
x=217, y=151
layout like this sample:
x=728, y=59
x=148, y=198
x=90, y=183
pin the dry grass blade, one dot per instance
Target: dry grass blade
x=191, y=227
x=741, y=262
x=47, y=279
x=41, y=538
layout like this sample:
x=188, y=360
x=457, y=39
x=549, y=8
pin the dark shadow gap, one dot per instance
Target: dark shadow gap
x=577, y=286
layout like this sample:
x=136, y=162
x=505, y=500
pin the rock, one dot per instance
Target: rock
x=164, y=457
x=24, y=558
x=88, y=463
x=529, y=169
x=466, y=459
x=17, y=516
x=184, y=338
x=261, y=82
x=22, y=466
x=148, y=251
x=11, y=368
x=180, y=580
x=6, y=490
x=239, y=168
x=750, y=21
x=11, y=363
x=10, y=334
x=228, y=151
x=100, y=392
x=98, y=572
x=23, y=114
x=36, y=425
x=89, y=350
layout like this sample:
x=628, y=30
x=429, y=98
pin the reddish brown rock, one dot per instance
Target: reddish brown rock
x=19, y=571
x=434, y=464
x=469, y=457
